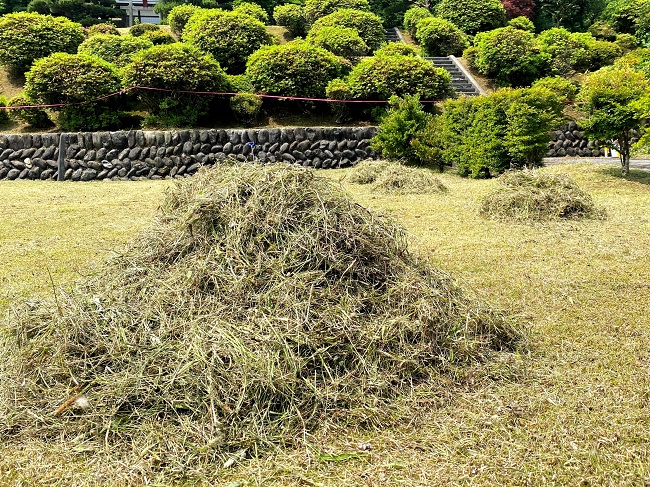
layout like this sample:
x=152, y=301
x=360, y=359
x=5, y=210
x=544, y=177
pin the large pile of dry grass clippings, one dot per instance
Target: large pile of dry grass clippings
x=535, y=195
x=396, y=178
x=262, y=304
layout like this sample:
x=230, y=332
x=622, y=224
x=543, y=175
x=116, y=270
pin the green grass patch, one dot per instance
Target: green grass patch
x=570, y=410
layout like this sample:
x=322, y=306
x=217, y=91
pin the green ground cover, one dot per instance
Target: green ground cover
x=570, y=410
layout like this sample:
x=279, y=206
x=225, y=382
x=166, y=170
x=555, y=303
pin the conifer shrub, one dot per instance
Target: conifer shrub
x=140, y=29
x=472, y=16
x=34, y=117
x=119, y=50
x=26, y=37
x=103, y=29
x=297, y=68
x=230, y=37
x=292, y=17
x=315, y=9
x=178, y=17
x=369, y=26
x=341, y=41
x=246, y=107
x=413, y=16
x=76, y=80
x=254, y=10
x=176, y=67
x=439, y=37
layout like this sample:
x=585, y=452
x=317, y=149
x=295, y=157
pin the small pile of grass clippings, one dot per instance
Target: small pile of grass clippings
x=534, y=195
x=264, y=303
x=395, y=178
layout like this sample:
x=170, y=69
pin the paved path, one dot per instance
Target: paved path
x=634, y=163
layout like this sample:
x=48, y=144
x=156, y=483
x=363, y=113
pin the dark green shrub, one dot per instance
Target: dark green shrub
x=293, y=69
x=602, y=30
x=4, y=114
x=40, y=7
x=341, y=41
x=139, y=29
x=254, y=10
x=316, y=9
x=413, y=16
x=380, y=77
x=627, y=42
x=178, y=17
x=439, y=37
x=405, y=118
x=176, y=67
x=246, y=107
x=428, y=144
x=86, y=12
x=35, y=117
x=103, y=29
x=118, y=50
x=229, y=36
x=397, y=49
x=562, y=87
x=158, y=37
x=367, y=24
x=473, y=16
x=76, y=79
x=522, y=23
x=25, y=37
x=292, y=17
x=509, y=55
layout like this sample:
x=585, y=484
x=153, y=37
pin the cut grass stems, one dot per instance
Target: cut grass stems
x=570, y=410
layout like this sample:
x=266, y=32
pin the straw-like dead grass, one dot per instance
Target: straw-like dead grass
x=263, y=302
x=533, y=195
x=395, y=178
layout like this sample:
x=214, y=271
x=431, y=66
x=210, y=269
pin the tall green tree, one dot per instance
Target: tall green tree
x=617, y=103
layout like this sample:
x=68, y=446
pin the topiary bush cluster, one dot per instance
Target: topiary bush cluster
x=472, y=16
x=341, y=41
x=230, y=37
x=413, y=16
x=315, y=9
x=246, y=107
x=103, y=29
x=292, y=17
x=77, y=80
x=119, y=50
x=140, y=29
x=34, y=117
x=26, y=37
x=178, y=17
x=439, y=37
x=253, y=10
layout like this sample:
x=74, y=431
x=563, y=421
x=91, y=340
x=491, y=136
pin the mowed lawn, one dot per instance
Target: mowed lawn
x=572, y=409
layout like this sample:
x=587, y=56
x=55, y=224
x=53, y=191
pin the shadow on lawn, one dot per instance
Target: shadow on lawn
x=636, y=175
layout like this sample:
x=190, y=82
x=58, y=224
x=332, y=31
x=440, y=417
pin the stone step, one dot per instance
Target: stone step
x=459, y=80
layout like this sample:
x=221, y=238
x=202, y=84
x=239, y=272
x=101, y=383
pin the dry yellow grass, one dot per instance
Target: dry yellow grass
x=572, y=410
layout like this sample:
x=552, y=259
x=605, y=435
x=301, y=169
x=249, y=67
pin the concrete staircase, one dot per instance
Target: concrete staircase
x=392, y=35
x=461, y=80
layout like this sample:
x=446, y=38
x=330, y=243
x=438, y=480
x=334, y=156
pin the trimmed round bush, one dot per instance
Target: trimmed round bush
x=397, y=49
x=342, y=41
x=240, y=83
x=439, y=37
x=380, y=77
x=338, y=89
x=368, y=25
x=510, y=55
x=473, y=16
x=293, y=69
x=412, y=16
x=103, y=29
x=229, y=36
x=254, y=10
x=35, y=117
x=246, y=107
x=522, y=23
x=562, y=87
x=292, y=17
x=118, y=50
x=158, y=37
x=139, y=29
x=76, y=79
x=25, y=37
x=178, y=17
x=176, y=67
x=316, y=9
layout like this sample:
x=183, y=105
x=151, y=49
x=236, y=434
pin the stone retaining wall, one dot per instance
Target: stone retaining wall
x=569, y=140
x=141, y=154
